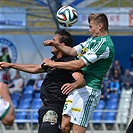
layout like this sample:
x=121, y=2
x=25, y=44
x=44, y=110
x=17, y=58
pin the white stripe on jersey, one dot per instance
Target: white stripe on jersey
x=98, y=46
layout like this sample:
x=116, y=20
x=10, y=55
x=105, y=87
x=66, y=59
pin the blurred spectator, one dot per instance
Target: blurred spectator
x=104, y=93
x=116, y=75
x=115, y=87
x=107, y=80
x=18, y=82
x=127, y=80
x=5, y=55
x=6, y=76
x=116, y=65
x=7, y=79
x=38, y=83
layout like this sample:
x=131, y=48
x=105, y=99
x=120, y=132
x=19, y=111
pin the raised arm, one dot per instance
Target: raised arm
x=64, y=49
x=29, y=68
x=70, y=65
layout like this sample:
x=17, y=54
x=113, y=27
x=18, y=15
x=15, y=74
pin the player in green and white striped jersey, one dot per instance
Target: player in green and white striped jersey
x=95, y=56
x=98, y=54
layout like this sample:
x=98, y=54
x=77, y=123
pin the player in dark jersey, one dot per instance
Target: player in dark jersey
x=50, y=114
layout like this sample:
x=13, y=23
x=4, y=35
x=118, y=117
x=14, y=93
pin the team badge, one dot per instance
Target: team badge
x=7, y=45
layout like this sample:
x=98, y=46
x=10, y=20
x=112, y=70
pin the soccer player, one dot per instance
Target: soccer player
x=95, y=56
x=52, y=91
x=6, y=106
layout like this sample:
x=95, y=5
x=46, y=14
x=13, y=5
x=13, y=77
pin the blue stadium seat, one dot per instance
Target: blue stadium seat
x=113, y=100
x=24, y=104
x=109, y=117
x=22, y=113
x=28, y=89
x=111, y=106
x=20, y=117
x=37, y=100
x=36, y=104
x=27, y=97
x=15, y=103
x=113, y=95
x=15, y=96
x=33, y=116
x=36, y=94
x=101, y=105
x=97, y=117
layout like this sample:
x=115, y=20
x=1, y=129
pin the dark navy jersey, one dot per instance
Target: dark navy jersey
x=50, y=92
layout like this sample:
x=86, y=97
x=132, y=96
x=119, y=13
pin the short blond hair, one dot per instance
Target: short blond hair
x=99, y=18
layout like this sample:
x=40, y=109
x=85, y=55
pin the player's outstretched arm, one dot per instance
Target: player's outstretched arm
x=7, y=109
x=69, y=65
x=29, y=68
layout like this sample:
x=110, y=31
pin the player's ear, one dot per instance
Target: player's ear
x=100, y=26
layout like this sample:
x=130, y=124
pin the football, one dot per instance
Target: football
x=67, y=16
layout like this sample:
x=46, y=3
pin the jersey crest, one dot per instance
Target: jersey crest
x=84, y=50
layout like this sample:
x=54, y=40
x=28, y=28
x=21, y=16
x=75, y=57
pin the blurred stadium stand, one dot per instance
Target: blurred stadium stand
x=108, y=117
x=40, y=14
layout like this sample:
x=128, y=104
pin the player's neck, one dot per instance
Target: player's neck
x=105, y=33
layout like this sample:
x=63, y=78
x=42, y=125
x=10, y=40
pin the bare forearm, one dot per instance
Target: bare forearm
x=79, y=80
x=71, y=65
x=66, y=50
x=30, y=68
x=79, y=83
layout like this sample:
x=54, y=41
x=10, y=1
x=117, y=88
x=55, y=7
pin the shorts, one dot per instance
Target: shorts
x=48, y=122
x=80, y=105
x=49, y=128
x=4, y=108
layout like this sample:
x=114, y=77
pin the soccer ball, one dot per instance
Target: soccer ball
x=67, y=16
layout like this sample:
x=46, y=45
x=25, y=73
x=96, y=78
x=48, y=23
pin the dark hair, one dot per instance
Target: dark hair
x=99, y=18
x=65, y=37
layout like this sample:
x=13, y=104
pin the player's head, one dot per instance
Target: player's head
x=63, y=37
x=98, y=24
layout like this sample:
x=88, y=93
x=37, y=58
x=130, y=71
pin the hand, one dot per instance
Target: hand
x=49, y=43
x=4, y=65
x=48, y=62
x=68, y=87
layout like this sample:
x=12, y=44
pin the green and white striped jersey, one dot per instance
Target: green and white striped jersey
x=98, y=54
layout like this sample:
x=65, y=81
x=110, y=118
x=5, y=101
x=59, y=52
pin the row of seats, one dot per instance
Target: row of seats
x=113, y=111
x=28, y=100
x=124, y=106
x=106, y=110
x=109, y=110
